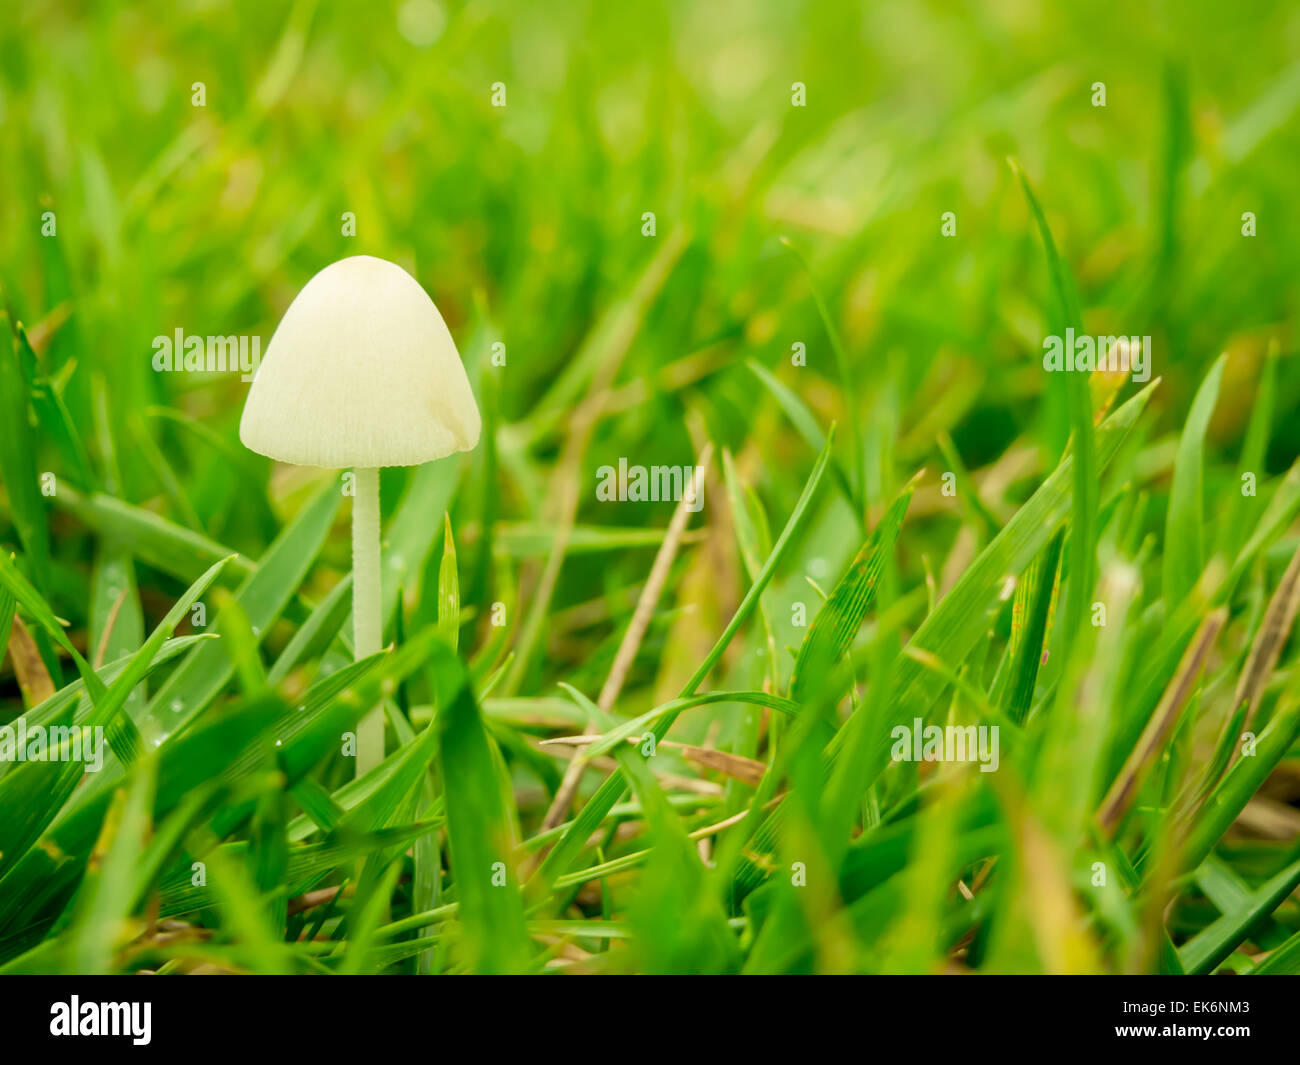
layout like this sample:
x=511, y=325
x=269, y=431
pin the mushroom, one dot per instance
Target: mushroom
x=361, y=372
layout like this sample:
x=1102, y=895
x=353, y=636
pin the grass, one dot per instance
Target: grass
x=625, y=736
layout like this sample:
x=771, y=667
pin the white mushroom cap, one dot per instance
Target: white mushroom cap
x=361, y=372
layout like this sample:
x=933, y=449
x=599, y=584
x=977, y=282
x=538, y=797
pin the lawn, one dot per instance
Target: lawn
x=796, y=609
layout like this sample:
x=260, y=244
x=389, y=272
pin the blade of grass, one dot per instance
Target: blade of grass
x=162, y=544
x=840, y=618
x=1204, y=951
x=107, y=896
x=1087, y=472
x=18, y=461
x=262, y=596
x=491, y=908
x=581, y=828
x=1184, y=558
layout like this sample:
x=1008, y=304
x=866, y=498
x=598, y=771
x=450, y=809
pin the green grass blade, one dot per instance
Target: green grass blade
x=262, y=596
x=18, y=462
x=1241, y=782
x=1184, y=558
x=491, y=907
x=840, y=618
x=1208, y=948
x=162, y=544
x=1029, y=643
x=804, y=421
x=594, y=812
x=448, y=589
x=1083, y=538
x=107, y=893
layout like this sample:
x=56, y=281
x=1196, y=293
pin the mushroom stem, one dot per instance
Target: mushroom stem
x=367, y=610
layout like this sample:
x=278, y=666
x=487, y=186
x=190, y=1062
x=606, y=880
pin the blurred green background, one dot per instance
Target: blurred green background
x=526, y=224
x=525, y=221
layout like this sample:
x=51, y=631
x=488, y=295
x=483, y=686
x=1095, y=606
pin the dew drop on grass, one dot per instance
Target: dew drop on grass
x=177, y=706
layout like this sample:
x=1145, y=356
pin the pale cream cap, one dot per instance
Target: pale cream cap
x=361, y=371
